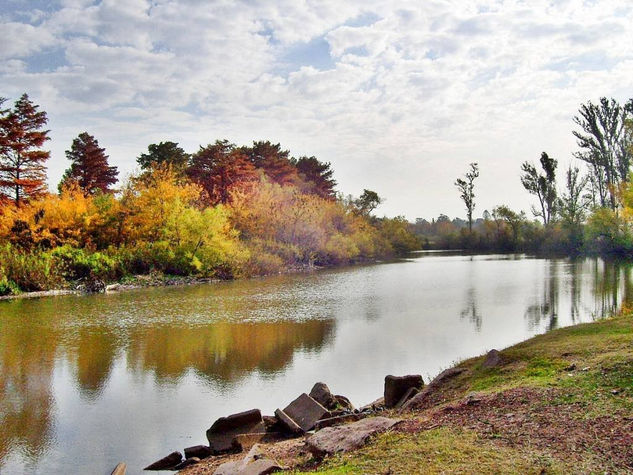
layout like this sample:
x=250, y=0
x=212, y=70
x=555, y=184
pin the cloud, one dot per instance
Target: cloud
x=396, y=95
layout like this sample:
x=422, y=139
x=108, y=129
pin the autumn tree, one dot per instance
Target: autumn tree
x=466, y=189
x=164, y=153
x=219, y=168
x=542, y=185
x=604, y=146
x=22, y=170
x=367, y=202
x=89, y=166
x=317, y=175
x=273, y=161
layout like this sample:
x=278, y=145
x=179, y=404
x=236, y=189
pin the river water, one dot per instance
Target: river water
x=89, y=381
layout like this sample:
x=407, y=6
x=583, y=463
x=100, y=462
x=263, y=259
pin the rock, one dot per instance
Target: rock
x=186, y=463
x=334, y=421
x=441, y=379
x=244, y=442
x=166, y=463
x=347, y=437
x=406, y=396
x=253, y=464
x=221, y=434
x=343, y=402
x=305, y=411
x=372, y=406
x=321, y=394
x=271, y=423
x=200, y=451
x=120, y=469
x=113, y=288
x=397, y=386
x=288, y=423
x=493, y=359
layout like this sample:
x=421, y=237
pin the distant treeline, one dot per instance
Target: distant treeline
x=591, y=212
x=224, y=211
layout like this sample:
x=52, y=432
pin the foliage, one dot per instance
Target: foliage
x=76, y=263
x=317, y=177
x=28, y=270
x=89, y=166
x=22, y=170
x=164, y=154
x=467, y=191
x=543, y=186
x=367, y=202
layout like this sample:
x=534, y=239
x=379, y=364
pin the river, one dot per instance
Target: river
x=89, y=381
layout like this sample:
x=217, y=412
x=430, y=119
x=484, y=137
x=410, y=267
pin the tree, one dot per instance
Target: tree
x=317, y=175
x=367, y=202
x=219, y=168
x=22, y=170
x=604, y=146
x=89, y=166
x=573, y=205
x=467, y=192
x=273, y=161
x=164, y=153
x=543, y=186
x=514, y=220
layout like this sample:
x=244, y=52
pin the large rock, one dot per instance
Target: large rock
x=288, y=424
x=187, y=462
x=322, y=394
x=343, y=402
x=253, y=464
x=493, y=359
x=221, y=434
x=406, y=396
x=166, y=463
x=200, y=451
x=347, y=437
x=305, y=412
x=397, y=386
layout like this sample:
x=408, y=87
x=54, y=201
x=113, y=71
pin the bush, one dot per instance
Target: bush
x=29, y=270
x=76, y=264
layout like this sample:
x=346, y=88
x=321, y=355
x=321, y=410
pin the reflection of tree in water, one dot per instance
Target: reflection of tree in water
x=470, y=311
x=225, y=352
x=546, y=308
x=612, y=288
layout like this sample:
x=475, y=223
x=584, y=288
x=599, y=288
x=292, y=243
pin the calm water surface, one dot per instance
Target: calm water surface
x=86, y=382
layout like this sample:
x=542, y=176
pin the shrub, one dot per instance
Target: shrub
x=29, y=270
x=75, y=264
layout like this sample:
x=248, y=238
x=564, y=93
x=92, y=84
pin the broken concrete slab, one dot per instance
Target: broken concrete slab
x=347, y=437
x=200, y=451
x=305, y=412
x=334, y=421
x=372, y=406
x=287, y=423
x=221, y=434
x=187, y=462
x=406, y=396
x=166, y=463
x=397, y=386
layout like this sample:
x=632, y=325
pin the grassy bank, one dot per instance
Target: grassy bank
x=561, y=402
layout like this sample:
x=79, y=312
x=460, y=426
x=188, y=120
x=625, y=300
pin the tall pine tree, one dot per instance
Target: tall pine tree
x=22, y=170
x=89, y=168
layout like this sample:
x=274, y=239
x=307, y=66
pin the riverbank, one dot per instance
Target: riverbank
x=561, y=402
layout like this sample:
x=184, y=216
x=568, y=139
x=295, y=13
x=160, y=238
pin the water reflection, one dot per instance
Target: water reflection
x=66, y=364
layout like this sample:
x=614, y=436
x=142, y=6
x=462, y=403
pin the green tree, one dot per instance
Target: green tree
x=467, y=192
x=89, y=166
x=367, y=202
x=164, y=153
x=317, y=175
x=543, y=186
x=22, y=169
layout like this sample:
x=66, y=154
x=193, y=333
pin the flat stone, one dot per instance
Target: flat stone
x=305, y=411
x=186, y=463
x=244, y=442
x=120, y=469
x=372, y=406
x=322, y=394
x=287, y=423
x=221, y=434
x=347, y=437
x=166, y=463
x=406, y=396
x=253, y=464
x=334, y=421
x=397, y=386
x=200, y=451
x=493, y=359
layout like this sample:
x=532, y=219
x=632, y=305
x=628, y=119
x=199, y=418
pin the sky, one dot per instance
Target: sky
x=398, y=96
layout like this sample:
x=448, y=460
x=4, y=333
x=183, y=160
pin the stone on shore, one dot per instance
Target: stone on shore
x=305, y=412
x=343, y=402
x=322, y=394
x=200, y=451
x=221, y=434
x=342, y=419
x=244, y=442
x=406, y=396
x=166, y=463
x=373, y=406
x=493, y=359
x=347, y=437
x=120, y=469
x=185, y=463
x=253, y=464
x=397, y=386
x=288, y=423
x=420, y=399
